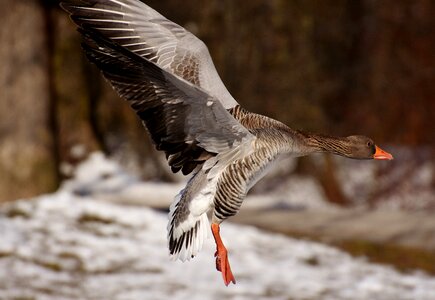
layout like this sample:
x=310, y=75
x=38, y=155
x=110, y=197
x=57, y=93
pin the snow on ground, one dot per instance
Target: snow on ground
x=63, y=246
x=69, y=245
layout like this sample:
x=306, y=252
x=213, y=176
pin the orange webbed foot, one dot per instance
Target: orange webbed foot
x=223, y=265
x=221, y=254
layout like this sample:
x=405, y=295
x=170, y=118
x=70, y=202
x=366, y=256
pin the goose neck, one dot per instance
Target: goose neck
x=315, y=143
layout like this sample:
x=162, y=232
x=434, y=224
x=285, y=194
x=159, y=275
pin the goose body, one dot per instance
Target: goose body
x=168, y=77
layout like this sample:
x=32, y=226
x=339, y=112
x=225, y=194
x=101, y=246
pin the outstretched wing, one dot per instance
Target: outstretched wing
x=182, y=119
x=140, y=29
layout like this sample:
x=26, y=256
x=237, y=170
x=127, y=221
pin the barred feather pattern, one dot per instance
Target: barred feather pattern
x=325, y=143
x=255, y=121
x=239, y=176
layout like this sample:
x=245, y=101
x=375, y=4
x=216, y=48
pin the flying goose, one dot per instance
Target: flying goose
x=167, y=76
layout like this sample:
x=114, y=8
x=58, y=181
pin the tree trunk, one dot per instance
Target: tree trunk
x=26, y=146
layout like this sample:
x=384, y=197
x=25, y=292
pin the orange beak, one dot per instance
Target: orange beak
x=381, y=154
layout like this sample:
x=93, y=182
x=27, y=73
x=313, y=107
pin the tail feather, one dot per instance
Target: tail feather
x=185, y=238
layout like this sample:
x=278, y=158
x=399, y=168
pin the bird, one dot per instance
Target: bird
x=167, y=76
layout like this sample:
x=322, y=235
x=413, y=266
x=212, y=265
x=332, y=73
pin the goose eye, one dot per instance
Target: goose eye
x=369, y=144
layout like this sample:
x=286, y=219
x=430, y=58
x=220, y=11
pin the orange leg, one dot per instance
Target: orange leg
x=222, y=263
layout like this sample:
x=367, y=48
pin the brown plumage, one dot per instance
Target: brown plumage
x=167, y=76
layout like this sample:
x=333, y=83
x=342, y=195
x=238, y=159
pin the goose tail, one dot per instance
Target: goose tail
x=185, y=238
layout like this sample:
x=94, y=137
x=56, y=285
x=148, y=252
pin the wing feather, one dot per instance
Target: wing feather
x=183, y=120
x=142, y=30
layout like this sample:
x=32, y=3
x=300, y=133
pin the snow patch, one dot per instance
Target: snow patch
x=64, y=246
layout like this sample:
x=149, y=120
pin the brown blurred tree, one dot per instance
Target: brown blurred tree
x=27, y=145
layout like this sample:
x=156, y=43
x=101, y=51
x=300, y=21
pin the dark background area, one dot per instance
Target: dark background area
x=335, y=67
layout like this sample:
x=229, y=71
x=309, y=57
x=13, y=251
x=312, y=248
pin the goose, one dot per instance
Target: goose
x=167, y=76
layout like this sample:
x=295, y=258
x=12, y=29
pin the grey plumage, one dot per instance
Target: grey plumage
x=167, y=76
x=182, y=119
x=140, y=29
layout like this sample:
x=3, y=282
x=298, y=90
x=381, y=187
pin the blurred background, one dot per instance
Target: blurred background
x=337, y=67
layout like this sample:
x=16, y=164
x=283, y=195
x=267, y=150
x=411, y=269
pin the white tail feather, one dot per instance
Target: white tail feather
x=186, y=238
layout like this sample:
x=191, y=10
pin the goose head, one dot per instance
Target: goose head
x=354, y=146
x=362, y=147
